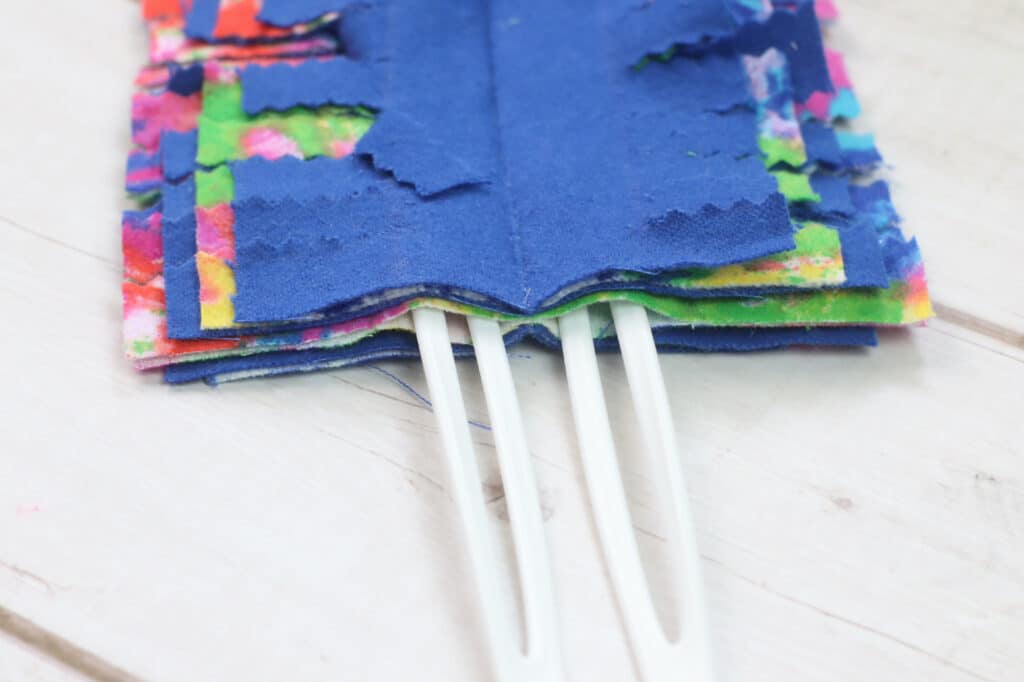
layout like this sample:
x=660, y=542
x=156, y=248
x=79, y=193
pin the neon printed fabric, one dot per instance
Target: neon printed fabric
x=310, y=172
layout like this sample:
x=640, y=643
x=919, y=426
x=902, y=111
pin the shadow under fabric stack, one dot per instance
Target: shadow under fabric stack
x=309, y=172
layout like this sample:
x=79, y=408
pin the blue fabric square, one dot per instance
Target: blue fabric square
x=515, y=153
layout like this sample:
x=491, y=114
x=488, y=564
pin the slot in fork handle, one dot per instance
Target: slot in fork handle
x=658, y=659
x=541, y=661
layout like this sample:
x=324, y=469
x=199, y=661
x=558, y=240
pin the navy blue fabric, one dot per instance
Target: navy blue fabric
x=513, y=155
x=835, y=195
x=861, y=158
x=743, y=339
x=875, y=204
x=863, y=260
x=291, y=12
x=185, y=80
x=341, y=80
x=857, y=226
x=798, y=35
x=429, y=71
x=201, y=20
x=857, y=223
x=866, y=197
x=899, y=252
x=178, y=153
x=372, y=235
x=821, y=144
x=646, y=27
x=377, y=348
x=360, y=33
x=400, y=345
x=181, y=280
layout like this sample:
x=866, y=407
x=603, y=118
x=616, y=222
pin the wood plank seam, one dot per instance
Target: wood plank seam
x=56, y=648
x=848, y=621
x=979, y=325
x=57, y=242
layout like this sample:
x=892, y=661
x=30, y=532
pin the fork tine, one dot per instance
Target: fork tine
x=651, y=404
x=658, y=659
x=542, y=660
x=523, y=500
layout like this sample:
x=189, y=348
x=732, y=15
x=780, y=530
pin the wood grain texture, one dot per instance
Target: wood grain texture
x=35, y=651
x=861, y=513
x=21, y=663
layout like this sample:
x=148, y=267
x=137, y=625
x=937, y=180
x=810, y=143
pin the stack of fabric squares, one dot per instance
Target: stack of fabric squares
x=310, y=171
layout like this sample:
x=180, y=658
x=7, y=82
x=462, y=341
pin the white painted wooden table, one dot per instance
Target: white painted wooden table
x=861, y=514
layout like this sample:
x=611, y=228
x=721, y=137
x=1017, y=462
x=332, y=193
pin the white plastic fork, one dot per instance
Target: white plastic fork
x=541, y=661
x=659, y=659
